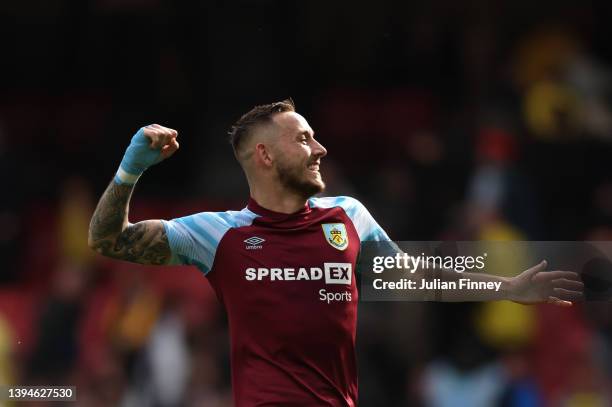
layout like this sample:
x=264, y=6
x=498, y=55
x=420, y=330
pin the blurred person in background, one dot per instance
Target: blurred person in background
x=56, y=346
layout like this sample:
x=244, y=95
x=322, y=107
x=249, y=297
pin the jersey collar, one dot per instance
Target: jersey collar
x=254, y=207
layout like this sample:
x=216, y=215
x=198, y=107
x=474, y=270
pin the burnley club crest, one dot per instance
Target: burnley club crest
x=335, y=235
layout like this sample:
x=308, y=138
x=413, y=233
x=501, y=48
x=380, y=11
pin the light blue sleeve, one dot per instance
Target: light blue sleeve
x=194, y=239
x=367, y=227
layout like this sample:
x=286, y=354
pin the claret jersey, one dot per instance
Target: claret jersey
x=287, y=282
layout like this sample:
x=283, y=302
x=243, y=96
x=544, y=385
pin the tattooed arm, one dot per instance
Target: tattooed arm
x=110, y=232
x=111, y=235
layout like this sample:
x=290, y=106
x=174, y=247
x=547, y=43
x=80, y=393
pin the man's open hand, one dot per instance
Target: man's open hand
x=536, y=285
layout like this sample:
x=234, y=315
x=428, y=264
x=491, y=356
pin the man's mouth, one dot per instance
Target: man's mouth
x=314, y=167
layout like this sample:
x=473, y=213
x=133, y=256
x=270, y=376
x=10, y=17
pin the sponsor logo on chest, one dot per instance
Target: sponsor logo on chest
x=332, y=273
x=336, y=275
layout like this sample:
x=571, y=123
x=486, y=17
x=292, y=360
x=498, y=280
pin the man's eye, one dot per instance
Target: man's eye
x=304, y=140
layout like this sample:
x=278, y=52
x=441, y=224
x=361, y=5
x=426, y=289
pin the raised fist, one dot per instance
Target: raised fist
x=161, y=138
x=150, y=145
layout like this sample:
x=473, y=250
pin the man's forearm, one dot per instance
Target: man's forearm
x=110, y=233
x=110, y=217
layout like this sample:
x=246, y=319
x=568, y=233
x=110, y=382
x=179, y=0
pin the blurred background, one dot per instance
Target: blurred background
x=448, y=119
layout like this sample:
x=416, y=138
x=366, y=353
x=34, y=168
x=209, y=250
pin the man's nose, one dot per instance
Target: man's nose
x=319, y=150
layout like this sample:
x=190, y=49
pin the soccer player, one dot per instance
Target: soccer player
x=283, y=266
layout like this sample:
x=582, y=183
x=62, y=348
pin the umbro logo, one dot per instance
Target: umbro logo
x=253, y=243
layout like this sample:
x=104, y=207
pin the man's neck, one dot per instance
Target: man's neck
x=278, y=200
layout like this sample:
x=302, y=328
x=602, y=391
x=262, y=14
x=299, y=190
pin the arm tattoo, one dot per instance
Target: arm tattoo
x=111, y=234
x=110, y=216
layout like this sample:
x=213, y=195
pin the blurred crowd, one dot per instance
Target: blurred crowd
x=468, y=120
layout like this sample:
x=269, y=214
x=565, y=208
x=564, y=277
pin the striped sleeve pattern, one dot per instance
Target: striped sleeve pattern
x=367, y=228
x=194, y=239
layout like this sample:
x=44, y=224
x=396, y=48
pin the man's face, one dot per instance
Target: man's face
x=298, y=155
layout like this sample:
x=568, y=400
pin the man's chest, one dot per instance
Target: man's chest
x=311, y=262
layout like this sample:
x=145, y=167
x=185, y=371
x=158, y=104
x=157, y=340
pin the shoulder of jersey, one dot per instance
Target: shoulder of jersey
x=366, y=226
x=349, y=204
x=195, y=238
x=221, y=221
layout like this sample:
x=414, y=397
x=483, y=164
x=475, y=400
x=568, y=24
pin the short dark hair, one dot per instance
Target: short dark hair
x=257, y=115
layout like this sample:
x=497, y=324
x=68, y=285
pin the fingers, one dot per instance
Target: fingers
x=561, y=286
x=568, y=295
x=572, y=285
x=160, y=136
x=537, y=268
x=558, y=302
x=170, y=148
x=548, y=277
x=553, y=275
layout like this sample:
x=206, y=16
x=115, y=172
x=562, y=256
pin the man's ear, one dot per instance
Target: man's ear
x=264, y=154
